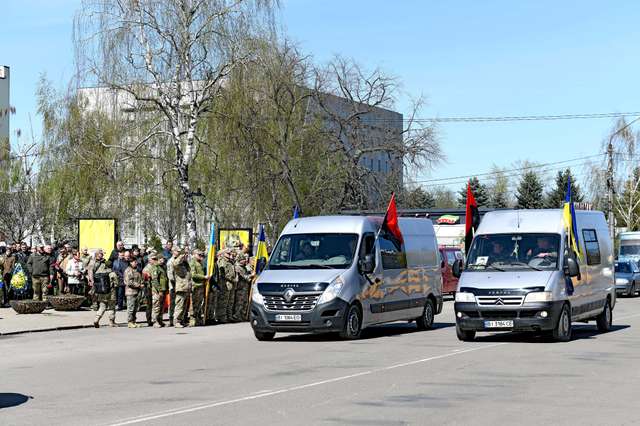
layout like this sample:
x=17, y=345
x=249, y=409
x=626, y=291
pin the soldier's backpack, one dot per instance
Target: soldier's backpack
x=102, y=283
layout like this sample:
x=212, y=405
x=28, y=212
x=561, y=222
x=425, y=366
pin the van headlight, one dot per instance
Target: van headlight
x=622, y=281
x=463, y=296
x=538, y=296
x=332, y=291
x=255, y=295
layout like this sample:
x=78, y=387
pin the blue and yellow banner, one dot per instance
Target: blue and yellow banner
x=569, y=214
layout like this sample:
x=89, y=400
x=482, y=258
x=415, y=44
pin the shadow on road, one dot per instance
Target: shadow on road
x=13, y=399
x=580, y=332
x=375, y=332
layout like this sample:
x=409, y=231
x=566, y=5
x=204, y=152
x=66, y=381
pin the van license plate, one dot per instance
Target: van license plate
x=498, y=324
x=288, y=317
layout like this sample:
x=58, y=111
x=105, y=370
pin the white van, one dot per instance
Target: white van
x=519, y=275
x=331, y=274
x=629, y=245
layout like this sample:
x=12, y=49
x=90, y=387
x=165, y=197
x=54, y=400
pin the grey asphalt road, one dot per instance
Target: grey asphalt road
x=394, y=375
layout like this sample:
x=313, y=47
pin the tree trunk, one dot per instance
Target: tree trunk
x=189, y=206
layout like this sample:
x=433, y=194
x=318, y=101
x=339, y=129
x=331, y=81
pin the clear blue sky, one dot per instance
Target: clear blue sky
x=469, y=58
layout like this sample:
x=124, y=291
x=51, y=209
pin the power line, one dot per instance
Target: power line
x=505, y=118
x=536, y=166
x=513, y=175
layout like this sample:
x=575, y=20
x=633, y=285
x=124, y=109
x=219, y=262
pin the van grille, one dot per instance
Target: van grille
x=500, y=300
x=304, y=302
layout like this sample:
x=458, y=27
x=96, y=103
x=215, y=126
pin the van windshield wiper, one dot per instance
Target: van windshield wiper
x=527, y=265
x=494, y=267
x=317, y=265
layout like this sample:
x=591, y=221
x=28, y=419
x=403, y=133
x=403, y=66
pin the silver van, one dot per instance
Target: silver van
x=629, y=245
x=331, y=274
x=520, y=276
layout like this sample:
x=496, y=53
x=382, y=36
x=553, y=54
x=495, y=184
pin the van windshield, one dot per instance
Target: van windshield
x=508, y=252
x=314, y=251
x=623, y=268
x=630, y=248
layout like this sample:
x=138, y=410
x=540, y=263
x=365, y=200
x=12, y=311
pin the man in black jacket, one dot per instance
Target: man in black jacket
x=40, y=266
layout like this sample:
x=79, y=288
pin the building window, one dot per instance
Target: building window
x=379, y=165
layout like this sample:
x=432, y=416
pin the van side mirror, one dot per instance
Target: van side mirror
x=457, y=268
x=571, y=268
x=367, y=264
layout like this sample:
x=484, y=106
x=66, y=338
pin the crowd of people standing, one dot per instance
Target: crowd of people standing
x=172, y=280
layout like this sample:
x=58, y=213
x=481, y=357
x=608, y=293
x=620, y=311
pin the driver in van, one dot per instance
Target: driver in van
x=498, y=253
x=543, y=249
x=306, y=251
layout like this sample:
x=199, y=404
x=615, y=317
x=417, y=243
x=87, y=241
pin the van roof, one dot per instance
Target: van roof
x=354, y=225
x=526, y=221
x=629, y=235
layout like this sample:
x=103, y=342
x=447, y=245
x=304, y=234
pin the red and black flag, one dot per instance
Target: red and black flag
x=390, y=222
x=472, y=219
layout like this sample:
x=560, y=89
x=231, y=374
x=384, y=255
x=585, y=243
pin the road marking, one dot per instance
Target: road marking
x=190, y=409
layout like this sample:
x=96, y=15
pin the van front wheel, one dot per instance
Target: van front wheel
x=605, y=319
x=264, y=336
x=465, y=335
x=425, y=321
x=352, y=324
x=562, y=332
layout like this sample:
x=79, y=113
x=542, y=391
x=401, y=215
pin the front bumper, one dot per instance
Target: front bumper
x=623, y=288
x=525, y=318
x=326, y=317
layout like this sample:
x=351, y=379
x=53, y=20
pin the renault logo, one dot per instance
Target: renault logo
x=288, y=294
x=499, y=301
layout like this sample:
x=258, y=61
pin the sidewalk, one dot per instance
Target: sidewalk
x=50, y=320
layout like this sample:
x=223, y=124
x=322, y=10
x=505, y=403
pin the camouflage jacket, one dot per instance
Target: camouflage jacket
x=197, y=273
x=226, y=265
x=133, y=281
x=243, y=266
x=181, y=273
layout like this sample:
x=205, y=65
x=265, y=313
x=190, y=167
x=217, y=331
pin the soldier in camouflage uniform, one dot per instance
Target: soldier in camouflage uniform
x=134, y=284
x=100, y=269
x=228, y=282
x=156, y=280
x=199, y=280
x=150, y=276
x=182, y=275
x=244, y=275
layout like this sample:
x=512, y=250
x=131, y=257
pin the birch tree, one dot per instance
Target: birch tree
x=169, y=60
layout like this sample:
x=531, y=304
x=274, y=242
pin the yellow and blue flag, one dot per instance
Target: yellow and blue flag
x=211, y=256
x=569, y=214
x=262, y=255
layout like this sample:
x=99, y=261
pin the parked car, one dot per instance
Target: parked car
x=627, y=277
x=520, y=275
x=449, y=255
